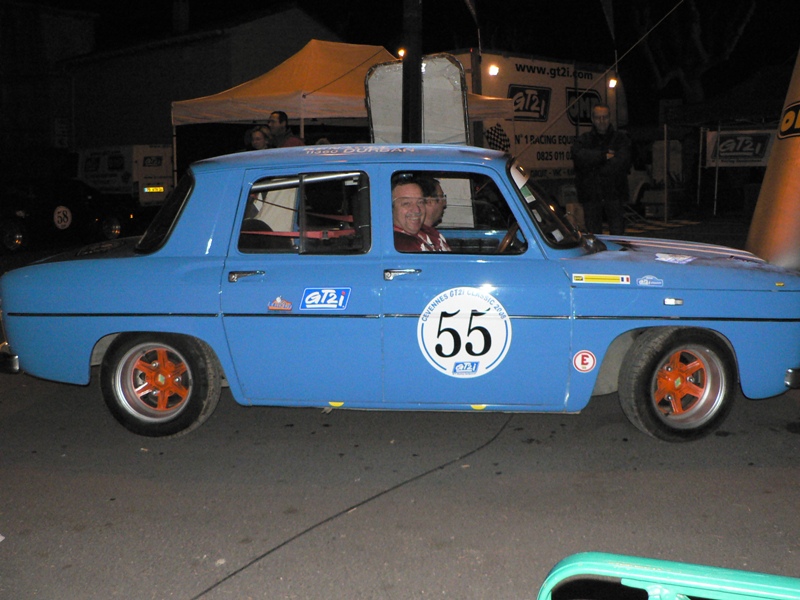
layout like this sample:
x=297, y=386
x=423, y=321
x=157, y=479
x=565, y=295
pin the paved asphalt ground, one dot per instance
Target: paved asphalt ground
x=276, y=503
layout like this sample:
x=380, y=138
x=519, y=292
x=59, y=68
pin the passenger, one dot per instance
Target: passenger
x=437, y=202
x=408, y=214
x=280, y=135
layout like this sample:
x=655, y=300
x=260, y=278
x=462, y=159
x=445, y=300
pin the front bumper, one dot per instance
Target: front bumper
x=9, y=362
x=792, y=378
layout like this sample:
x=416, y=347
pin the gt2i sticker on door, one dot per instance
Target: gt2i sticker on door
x=464, y=332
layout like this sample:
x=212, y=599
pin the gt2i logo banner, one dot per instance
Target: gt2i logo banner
x=740, y=148
x=325, y=298
x=531, y=103
x=464, y=332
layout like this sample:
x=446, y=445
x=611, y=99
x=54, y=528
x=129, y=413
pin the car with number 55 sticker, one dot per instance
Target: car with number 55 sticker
x=318, y=277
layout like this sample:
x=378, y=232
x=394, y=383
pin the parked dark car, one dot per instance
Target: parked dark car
x=53, y=213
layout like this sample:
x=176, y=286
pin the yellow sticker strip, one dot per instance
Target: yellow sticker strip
x=599, y=278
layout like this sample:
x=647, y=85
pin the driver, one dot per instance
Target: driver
x=409, y=208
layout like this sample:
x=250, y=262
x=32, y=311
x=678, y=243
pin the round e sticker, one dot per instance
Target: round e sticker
x=584, y=361
x=464, y=332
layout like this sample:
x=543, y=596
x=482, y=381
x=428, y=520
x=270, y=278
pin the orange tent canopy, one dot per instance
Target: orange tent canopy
x=323, y=80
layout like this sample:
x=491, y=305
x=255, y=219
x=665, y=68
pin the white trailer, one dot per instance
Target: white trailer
x=552, y=105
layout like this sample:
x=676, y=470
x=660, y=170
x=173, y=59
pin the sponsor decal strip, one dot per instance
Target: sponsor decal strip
x=600, y=278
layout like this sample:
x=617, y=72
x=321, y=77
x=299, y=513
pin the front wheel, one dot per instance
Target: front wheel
x=160, y=384
x=677, y=384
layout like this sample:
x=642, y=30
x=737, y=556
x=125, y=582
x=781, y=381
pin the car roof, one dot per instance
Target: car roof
x=364, y=153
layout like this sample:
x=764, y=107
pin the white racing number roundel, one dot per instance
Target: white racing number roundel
x=464, y=332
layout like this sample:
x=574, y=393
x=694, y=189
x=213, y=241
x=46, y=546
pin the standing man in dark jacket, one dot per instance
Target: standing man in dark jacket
x=602, y=160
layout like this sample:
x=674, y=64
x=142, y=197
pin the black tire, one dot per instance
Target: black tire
x=139, y=369
x=677, y=384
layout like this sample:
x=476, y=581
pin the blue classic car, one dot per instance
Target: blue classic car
x=303, y=277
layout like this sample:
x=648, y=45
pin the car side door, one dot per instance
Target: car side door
x=484, y=325
x=301, y=290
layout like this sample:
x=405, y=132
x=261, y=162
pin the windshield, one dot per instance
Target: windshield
x=545, y=211
x=161, y=226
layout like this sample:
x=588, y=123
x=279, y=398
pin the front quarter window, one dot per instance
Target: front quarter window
x=546, y=214
x=163, y=223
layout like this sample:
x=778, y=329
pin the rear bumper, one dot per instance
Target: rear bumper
x=792, y=378
x=9, y=362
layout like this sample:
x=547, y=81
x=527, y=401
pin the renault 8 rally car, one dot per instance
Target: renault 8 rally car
x=280, y=273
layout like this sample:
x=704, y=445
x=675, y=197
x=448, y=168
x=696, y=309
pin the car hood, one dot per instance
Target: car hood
x=121, y=248
x=647, y=262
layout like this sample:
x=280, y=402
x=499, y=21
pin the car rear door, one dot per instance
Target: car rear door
x=301, y=291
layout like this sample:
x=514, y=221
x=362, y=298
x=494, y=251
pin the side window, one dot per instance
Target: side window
x=437, y=211
x=314, y=213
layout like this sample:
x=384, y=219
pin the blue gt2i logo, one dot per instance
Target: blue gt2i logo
x=466, y=368
x=325, y=298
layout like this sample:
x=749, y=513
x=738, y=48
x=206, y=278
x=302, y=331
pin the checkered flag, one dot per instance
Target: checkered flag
x=497, y=139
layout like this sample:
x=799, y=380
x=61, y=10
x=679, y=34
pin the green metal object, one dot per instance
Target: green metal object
x=667, y=580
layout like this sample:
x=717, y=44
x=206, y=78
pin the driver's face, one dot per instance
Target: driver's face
x=408, y=207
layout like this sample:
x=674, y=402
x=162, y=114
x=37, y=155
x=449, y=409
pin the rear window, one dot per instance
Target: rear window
x=310, y=213
x=160, y=228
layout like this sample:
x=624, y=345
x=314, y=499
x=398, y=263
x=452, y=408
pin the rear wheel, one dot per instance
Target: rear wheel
x=677, y=384
x=160, y=384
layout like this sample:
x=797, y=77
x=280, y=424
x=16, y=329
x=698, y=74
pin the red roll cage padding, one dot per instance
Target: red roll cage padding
x=325, y=234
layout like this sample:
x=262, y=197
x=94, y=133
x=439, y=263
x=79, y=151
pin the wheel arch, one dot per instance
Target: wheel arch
x=607, y=381
x=102, y=345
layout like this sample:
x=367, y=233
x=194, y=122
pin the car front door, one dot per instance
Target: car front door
x=483, y=325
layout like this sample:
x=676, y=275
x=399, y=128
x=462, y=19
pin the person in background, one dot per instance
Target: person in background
x=602, y=160
x=280, y=134
x=256, y=138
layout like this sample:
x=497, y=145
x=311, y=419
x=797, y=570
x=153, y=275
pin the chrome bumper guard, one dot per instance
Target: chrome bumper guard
x=9, y=362
x=792, y=378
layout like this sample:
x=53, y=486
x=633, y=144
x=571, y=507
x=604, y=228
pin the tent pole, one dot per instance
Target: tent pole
x=174, y=156
x=700, y=163
x=302, y=120
x=716, y=166
x=666, y=174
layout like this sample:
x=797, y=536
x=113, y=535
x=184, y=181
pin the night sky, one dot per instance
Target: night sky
x=563, y=29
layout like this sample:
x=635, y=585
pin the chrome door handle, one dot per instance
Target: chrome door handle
x=235, y=276
x=390, y=274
